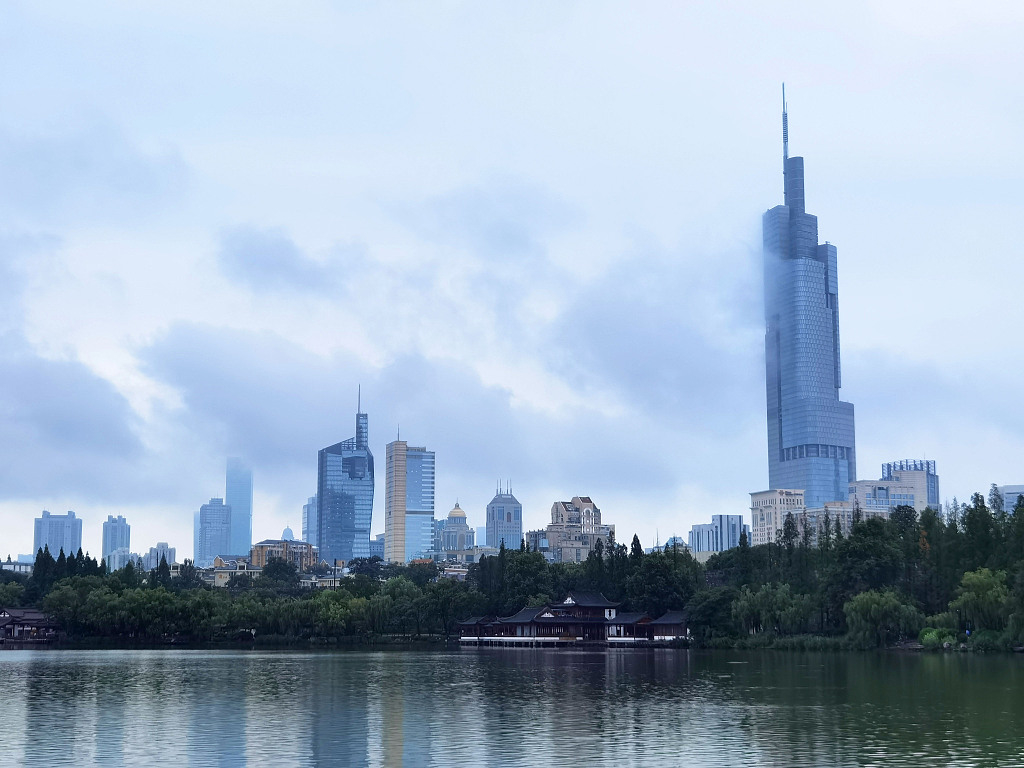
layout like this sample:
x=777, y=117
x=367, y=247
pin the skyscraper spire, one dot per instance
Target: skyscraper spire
x=359, y=398
x=785, y=130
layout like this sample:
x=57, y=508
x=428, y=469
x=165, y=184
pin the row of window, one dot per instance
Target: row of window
x=815, y=450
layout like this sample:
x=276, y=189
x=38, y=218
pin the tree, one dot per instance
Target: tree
x=982, y=600
x=879, y=618
x=279, y=573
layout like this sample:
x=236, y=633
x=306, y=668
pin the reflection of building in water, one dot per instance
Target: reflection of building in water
x=339, y=721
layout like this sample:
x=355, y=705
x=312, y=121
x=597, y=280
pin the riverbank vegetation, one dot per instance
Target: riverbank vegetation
x=944, y=581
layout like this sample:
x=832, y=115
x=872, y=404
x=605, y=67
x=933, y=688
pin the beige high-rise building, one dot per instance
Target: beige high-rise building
x=394, y=502
x=768, y=510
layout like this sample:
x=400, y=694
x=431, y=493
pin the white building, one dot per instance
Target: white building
x=768, y=510
x=722, y=533
x=152, y=560
x=911, y=483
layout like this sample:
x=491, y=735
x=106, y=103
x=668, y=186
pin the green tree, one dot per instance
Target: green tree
x=982, y=601
x=879, y=618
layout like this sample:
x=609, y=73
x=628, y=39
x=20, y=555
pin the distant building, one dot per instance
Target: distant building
x=58, y=532
x=116, y=535
x=119, y=558
x=287, y=535
x=911, y=483
x=213, y=532
x=457, y=535
x=437, y=535
x=768, y=510
x=377, y=546
x=840, y=516
x=575, y=529
x=1010, y=495
x=345, y=496
x=238, y=496
x=309, y=521
x=161, y=551
x=301, y=554
x=504, y=520
x=722, y=533
x=408, y=502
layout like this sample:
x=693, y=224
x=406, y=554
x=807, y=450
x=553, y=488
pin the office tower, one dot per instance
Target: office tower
x=377, y=546
x=238, y=496
x=408, y=502
x=58, y=532
x=213, y=533
x=504, y=520
x=1010, y=495
x=345, y=496
x=911, y=483
x=722, y=533
x=162, y=551
x=116, y=535
x=309, y=522
x=810, y=430
x=575, y=529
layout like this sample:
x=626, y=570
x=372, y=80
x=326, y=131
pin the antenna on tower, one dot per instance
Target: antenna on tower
x=359, y=398
x=785, y=127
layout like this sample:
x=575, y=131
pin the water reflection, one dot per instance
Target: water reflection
x=509, y=706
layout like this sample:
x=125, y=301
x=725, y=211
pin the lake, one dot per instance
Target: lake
x=520, y=707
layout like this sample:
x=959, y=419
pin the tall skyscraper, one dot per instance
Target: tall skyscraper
x=345, y=496
x=238, y=496
x=504, y=520
x=116, y=535
x=58, y=532
x=810, y=430
x=309, y=522
x=213, y=533
x=408, y=502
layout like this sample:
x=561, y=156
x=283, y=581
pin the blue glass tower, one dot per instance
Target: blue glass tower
x=345, y=496
x=810, y=430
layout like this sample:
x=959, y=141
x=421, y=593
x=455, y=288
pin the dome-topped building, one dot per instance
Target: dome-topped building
x=457, y=535
x=287, y=535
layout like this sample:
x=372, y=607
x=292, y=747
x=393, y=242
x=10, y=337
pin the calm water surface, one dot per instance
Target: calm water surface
x=509, y=707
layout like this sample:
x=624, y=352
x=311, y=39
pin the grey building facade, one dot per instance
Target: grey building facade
x=212, y=533
x=811, y=442
x=722, y=533
x=117, y=534
x=58, y=532
x=345, y=496
x=504, y=520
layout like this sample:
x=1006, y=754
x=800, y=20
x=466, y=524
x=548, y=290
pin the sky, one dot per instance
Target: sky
x=530, y=232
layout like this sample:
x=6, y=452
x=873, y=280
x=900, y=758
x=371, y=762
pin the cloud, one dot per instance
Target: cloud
x=91, y=172
x=65, y=429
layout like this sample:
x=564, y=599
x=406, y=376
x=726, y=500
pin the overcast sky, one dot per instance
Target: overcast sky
x=530, y=231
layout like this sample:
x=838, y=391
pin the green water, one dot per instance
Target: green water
x=510, y=707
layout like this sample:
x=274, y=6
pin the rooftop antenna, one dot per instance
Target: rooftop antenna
x=399, y=437
x=359, y=398
x=785, y=128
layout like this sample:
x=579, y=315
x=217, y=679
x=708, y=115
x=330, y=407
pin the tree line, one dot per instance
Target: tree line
x=940, y=579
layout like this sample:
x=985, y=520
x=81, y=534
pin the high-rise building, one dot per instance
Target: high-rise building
x=911, y=483
x=116, y=535
x=810, y=430
x=238, y=496
x=345, y=496
x=768, y=510
x=504, y=520
x=309, y=521
x=162, y=551
x=408, y=502
x=722, y=533
x=213, y=532
x=58, y=532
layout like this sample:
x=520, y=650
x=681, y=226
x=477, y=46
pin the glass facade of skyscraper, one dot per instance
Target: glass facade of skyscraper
x=504, y=521
x=419, y=502
x=238, y=496
x=345, y=496
x=810, y=430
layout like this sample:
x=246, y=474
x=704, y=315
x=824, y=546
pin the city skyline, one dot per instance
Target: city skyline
x=539, y=252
